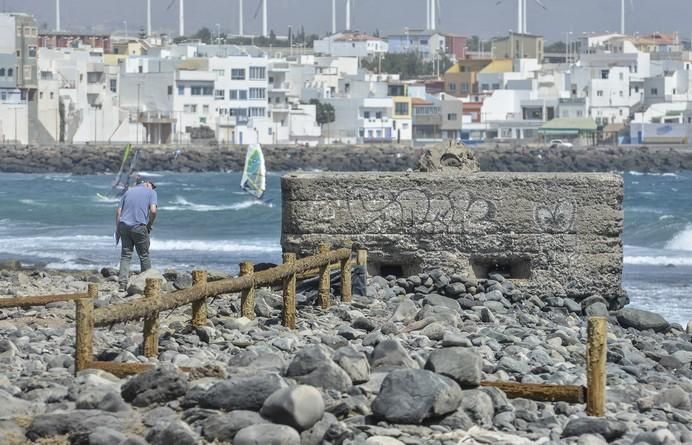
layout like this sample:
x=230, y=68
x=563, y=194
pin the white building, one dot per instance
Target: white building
x=351, y=44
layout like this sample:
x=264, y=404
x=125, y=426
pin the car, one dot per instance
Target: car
x=559, y=143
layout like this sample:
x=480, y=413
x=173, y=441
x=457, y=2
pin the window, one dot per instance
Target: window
x=114, y=85
x=464, y=87
x=219, y=94
x=40, y=95
x=3, y=96
x=257, y=73
x=240, y=112
x=599, y=93
x=205, y=108
x=451, y=116
x=207, y=91
x=580, y=113
x=654, y=91
x=256, y=112
x=32, y=51
x=496, y=86
x=269, y=130
x=237, y=74
x=378, y=115
x=219, y=73
x=10, y=72
x=604, y=74
x=366, y=115
x=196, y=91
x=2, y=72
x=181, y=90
x=401, y=108
x=484, y=87
x=170, y=90
x=27, y=72
x=258, y=93
x=451, y=86
x=52, y=95
x=622, y=94
x=622, y=76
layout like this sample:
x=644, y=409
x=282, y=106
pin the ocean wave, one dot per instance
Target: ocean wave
x=106, y=199
x=151, y=175
x=217, y=246
x=682, y=240
x=31, y=202
x=663, y=217
x=662, y=260
x=636, y=173
x=181, y=203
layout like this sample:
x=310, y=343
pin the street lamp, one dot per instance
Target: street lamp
x=125, y=23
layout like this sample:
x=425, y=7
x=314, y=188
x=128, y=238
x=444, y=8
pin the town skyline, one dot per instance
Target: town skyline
x=488, y=18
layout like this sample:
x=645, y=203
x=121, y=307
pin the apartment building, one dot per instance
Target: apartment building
x=351, y=44
x=519, y=46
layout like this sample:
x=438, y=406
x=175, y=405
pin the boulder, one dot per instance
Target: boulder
x=224, y=427
x=642, y=320
x=300, y=407
x=158, y=385
x=609, y=429
x=390, y=354
x=411, y=396
x=267, y=434
x=138, y=282
x=242, y=393
x=461, y=364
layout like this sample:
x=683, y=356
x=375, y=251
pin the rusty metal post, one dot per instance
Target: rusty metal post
x=150, y=345
x=323, y=295
x=247, y=296
x=84, y=338
x=596, y=351
x=199, y=308
x=288, y=312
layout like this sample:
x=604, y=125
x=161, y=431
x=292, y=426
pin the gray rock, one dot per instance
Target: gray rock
x=267, y=434
x=461, y=364
x=509, y=364
x=383, y=440
x=434, y=331
x=328, y=376
x=685, y=357
x=390, y=354
x=183, y=280
x=316, y=434
x=106, y=436
x=11, y=406
x=158, y=385
x=675, y=397
x=104, y=400
x=300, y=407
x=458, y=420
x=596, y=309
x=364, y=324
x=355, y=364
x=658, y=437
x=175, y=432
x=223, y=427
x=588, y=301
x=413, y=395
x=138, y=282
x=478, y=406
x=609, y=429
x=242, y=393
x=439, y=300
x=405, y=311
x=641, y=320
x=75, y=423
x=572, y=306
x=158, y=415
x=451, y=339
x=455, y=290
x=308, y=359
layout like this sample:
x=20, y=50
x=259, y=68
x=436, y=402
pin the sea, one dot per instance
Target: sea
x=63, y=221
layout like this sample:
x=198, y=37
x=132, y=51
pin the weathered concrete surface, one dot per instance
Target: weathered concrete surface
x=555, y=233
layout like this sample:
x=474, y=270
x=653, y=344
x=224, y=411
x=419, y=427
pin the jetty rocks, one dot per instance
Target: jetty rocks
x=399, y=365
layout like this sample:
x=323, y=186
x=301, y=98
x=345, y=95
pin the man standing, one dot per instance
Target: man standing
x=134, y=220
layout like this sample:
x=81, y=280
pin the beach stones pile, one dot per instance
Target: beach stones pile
x=402, y=364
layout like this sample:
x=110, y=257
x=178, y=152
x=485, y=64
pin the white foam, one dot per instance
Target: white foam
x=31, y=202
x=216, y=246
x=682, y=240
x=633, y=173
x=151, y=175
x=658, y=260
x=182, y=204
x=663, y=217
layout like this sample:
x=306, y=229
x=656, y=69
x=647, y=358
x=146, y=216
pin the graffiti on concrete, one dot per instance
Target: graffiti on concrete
x=420, y=210
x=555, y=218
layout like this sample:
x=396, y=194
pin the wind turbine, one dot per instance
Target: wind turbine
x=333, y=16
x=148, y=18
x=263, y=4
x=522, y=27
x=240, y=18
x=57, y=15
x=348, y=15
x=181, y=23
x=622, y=15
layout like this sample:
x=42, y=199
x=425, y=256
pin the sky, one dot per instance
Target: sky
x=465, y=17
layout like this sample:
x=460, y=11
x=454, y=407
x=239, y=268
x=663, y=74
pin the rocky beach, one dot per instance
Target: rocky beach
x=400, y=365
x=95, y=159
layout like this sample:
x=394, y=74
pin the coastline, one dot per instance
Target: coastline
x=99, y=158
x=347, y=353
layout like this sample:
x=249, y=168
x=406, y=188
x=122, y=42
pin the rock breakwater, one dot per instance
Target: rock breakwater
x=400, y=365
x=95, y=159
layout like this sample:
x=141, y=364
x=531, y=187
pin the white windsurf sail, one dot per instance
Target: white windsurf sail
x=254, y=179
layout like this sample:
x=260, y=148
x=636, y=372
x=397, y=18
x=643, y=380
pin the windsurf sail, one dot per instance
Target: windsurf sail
x=254, y=179
x=125, y=175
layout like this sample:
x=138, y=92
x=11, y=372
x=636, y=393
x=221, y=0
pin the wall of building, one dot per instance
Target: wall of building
x=557, y=233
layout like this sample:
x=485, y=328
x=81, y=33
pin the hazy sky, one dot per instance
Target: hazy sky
x=466, y=17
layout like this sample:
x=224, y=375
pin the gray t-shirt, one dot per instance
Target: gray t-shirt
x=135, y=204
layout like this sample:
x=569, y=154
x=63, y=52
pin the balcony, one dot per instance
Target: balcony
x=153, y=117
